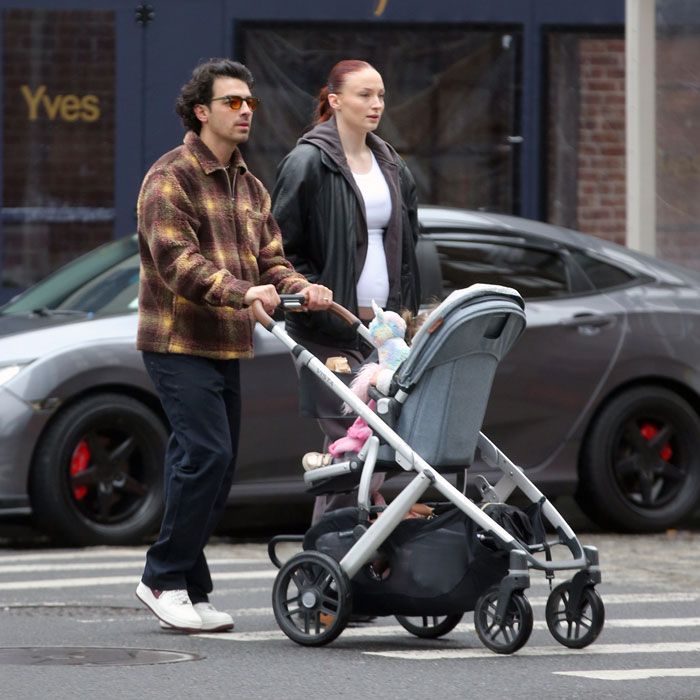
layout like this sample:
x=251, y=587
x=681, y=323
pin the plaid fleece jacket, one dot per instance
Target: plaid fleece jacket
x=205, y=237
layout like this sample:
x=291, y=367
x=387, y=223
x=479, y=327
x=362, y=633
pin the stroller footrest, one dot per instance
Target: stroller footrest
x=315, y=475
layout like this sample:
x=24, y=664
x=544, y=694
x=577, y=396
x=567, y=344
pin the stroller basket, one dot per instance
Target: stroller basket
x=436, y=566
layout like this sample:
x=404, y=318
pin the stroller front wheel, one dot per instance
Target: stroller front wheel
x=312, y=599
x=574, y=625
x=511, y=633
x=430, y=626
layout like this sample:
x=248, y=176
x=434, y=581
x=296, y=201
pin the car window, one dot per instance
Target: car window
x=533, y=272
x=54, y=289
x=113, y=292
x=602, y=275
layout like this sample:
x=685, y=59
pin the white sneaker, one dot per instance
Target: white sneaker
x=172, y=607
x=213, y=620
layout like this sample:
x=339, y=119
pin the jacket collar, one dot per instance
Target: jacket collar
x=325, y=137
x=207, y=160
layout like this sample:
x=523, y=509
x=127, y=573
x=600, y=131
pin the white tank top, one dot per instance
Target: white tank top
x=374, y=278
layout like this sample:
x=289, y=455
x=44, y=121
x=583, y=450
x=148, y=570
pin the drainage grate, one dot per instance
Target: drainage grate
x=90, y=656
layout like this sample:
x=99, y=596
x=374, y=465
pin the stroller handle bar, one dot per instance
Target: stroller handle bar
x=296, y=302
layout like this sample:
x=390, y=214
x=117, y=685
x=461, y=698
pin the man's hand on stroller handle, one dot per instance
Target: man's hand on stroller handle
x=315, y=297
x=266, y=294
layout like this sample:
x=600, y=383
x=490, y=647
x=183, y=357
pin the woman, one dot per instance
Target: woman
x=346, y=204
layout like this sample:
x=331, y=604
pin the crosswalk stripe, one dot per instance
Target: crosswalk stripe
x=118, y=553
x=98, y=566
x=87, y=582
x=635, y=674
x=463, y=628
x=594, y=649
x=113, y=553
x=278, y=635
x=631, y=598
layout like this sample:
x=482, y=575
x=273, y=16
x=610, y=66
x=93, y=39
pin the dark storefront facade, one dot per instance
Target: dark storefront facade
x=495, y=105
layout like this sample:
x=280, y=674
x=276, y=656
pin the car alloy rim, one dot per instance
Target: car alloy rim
x=649, y=465
x=108, y=476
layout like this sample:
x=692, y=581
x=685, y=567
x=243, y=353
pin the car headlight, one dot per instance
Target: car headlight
x=9, y=372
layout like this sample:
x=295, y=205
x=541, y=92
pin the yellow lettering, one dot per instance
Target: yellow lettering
x=381, y=6
x=91, y=108
x=70, y=108
x=51, y=106
x=33, y=100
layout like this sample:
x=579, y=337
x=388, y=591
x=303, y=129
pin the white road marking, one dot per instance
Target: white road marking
x=632, y=598
x=653, y=622
x=117, y=553
x=112, y=553
x=99, y=566
x=88, y=582
x=594, y=649
x=278, y=635
x=371, y=631
x=636, y=674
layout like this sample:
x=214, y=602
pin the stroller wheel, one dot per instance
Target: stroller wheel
x=513, y=631
x=430, y=626
x=312, y=599
x=579, y=627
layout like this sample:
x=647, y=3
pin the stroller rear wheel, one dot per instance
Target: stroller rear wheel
x=574, y=625
x=430, y=626
x=312, y=599
x=512, y=631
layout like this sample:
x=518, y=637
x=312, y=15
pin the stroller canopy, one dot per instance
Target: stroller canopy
x=449, y=373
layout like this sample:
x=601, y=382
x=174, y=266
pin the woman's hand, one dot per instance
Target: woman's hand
x=317, y=297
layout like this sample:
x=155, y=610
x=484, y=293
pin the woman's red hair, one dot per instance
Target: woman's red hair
x=335, y=82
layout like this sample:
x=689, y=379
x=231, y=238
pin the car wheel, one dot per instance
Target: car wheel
x=97, y=475
x=640, y=465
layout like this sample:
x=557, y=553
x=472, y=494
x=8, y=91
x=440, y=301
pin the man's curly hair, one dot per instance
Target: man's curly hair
x=198, y=90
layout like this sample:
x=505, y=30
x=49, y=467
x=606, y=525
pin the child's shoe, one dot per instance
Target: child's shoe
x=314, y=460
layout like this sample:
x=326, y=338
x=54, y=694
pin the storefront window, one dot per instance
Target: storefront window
x=58, y=71
x=452, y=100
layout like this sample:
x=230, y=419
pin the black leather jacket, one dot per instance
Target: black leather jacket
x=324, y=228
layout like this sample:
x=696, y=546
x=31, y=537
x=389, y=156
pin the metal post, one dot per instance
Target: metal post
x=640, y=59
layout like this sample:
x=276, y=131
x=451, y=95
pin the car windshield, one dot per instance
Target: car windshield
x=102, y=281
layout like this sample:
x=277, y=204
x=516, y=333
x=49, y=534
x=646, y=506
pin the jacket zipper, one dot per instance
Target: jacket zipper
x=231, y=185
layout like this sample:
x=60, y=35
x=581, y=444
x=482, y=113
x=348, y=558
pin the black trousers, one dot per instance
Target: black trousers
x=334, y=428
x=202, y=400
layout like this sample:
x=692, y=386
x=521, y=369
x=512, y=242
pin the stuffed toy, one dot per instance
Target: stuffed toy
x=387, y=330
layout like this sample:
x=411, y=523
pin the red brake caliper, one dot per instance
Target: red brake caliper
x=648, y=431
x=79, y=463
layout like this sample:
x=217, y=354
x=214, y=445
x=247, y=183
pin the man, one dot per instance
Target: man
x=209, y=247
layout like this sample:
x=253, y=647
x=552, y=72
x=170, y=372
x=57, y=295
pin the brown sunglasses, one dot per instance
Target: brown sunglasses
x=235, y=102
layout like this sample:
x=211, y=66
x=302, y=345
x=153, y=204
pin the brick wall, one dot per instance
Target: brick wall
x=586, y=134
x=678, y=149
x=586, y=139
x=601, y=138
x=58, y=72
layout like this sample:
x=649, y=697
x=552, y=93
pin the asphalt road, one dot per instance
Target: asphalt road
x=81, y=602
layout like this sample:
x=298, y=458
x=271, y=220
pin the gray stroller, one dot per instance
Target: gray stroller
x=471, y=555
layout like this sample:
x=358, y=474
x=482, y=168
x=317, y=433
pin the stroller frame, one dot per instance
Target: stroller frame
x=577, y=601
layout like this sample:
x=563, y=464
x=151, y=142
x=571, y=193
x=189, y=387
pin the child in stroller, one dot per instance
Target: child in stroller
x=469, y=557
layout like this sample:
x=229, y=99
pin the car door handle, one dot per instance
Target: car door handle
x=588, y=320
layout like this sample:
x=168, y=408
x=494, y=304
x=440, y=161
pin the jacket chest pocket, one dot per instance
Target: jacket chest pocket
x=254, y=225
